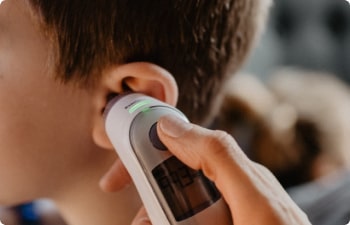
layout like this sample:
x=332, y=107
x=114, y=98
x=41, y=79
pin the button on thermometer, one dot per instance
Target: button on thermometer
x=172, y=193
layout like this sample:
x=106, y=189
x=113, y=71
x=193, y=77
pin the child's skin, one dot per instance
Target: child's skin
x=45, y=131
x=52, y=138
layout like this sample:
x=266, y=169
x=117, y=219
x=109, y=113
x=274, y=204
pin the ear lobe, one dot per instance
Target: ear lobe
x=141, y=77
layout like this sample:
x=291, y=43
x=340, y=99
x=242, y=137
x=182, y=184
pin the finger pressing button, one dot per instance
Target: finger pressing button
x=154, y=138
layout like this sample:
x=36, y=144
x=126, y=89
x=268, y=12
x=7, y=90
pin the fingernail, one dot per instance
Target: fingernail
x=103, y=182
x=174, y=126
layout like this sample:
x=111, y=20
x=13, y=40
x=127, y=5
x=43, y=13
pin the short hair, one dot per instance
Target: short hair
x=198, y=41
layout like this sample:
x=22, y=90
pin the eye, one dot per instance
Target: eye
x=284, y=23
x=337, y=22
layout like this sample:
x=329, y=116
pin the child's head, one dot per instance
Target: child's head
x=198, y=42
x=47, y=127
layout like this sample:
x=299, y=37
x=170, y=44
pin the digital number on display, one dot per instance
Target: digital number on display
x=186, y=191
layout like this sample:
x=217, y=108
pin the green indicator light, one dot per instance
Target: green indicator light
x=146, y=109
x=139, y=105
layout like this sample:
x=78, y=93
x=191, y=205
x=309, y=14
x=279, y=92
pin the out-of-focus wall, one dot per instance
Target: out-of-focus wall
x=311, y=34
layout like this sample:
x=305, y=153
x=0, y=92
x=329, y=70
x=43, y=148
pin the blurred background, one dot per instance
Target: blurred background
x=289, y=109
x=312, y=34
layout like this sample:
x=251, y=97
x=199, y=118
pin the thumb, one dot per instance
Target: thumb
x=214, y=152
x=200, y=148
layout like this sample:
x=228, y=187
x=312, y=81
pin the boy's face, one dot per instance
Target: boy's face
x=44, y=126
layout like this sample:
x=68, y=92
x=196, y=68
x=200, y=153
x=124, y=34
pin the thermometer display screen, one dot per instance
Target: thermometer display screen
x=186, y=191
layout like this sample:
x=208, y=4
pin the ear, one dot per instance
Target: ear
x=141, y=77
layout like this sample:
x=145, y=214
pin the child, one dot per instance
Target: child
x=61, y=60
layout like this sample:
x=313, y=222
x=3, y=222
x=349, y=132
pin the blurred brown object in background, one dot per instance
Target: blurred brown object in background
x=296, y=126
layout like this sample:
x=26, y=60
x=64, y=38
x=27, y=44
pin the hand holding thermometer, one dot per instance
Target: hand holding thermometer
x=173, y=193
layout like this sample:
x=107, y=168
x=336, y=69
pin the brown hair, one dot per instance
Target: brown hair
x=196, y=40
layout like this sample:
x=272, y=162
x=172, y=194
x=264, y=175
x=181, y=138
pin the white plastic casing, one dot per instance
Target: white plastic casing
x=128, y=123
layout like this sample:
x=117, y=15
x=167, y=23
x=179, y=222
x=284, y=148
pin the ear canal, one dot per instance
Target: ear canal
x=125, y=86
x=111, y=96
x=125, y=89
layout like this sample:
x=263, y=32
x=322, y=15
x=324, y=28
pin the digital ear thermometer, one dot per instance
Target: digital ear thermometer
x=172, y=193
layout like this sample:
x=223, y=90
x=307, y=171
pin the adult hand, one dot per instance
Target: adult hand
x=252, y=193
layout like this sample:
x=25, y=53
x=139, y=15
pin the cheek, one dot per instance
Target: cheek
x=41, y=133
x=19, y=146
x=44, y=126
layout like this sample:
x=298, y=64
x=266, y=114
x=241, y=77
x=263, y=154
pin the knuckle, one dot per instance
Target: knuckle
x=219, y=143
x=263, y=169
x=218, y=147
x=220, y=139
x=223, y=145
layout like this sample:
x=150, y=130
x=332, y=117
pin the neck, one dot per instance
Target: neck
x=86, y=204
x=100, y=208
